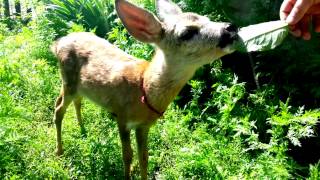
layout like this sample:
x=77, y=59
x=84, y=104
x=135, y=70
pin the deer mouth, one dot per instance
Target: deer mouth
x=228, y=37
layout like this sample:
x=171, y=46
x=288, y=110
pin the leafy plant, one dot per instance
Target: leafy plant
x=120, y=37
x=97, y=14
x=224, y=130
x=314, y=171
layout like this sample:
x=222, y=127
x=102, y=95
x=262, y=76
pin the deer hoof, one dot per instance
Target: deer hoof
x=59, y=152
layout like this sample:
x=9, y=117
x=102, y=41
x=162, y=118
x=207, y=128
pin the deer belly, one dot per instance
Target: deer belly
x=114, y=98
x=95, y=96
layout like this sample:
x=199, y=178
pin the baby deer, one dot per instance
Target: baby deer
x=136, y=91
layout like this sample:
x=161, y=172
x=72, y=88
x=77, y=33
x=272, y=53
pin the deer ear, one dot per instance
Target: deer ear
x=140, y=23
x=167, y=8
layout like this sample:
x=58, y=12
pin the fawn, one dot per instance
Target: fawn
x=136, y=91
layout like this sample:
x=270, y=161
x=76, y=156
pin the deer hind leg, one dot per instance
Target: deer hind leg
x=62, y=103
x=142, y=138
x=126, y=149
x=77, y=105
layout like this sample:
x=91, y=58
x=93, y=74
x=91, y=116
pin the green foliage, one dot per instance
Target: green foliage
x=119, y=36
x=226, y=119
x=146, y=4
x=98, y=14
x=4, y=31
x=209, y=8
x=26, y=87
x=314, y=171
x=224, y=131
x=29, y=84
x=286, y=66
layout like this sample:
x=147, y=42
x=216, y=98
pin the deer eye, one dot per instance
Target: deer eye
x=189, y=34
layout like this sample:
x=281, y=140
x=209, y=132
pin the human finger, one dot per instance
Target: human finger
x=315, y=9
x=286, y=8
x=298, y=11
x=294, y=30
x=316, y=23
x=296, y=33
x=304, y=25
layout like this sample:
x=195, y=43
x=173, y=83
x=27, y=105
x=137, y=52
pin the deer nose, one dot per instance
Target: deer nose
x=231, y=28
x=228, y=35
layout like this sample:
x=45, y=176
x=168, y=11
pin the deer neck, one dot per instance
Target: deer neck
x=164, y=78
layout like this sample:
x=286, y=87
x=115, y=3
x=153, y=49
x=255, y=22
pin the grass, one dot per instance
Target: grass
x=215, y=139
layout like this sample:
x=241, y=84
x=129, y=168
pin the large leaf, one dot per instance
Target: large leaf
x=262, y=37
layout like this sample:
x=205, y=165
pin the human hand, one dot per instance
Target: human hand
x=299, y=14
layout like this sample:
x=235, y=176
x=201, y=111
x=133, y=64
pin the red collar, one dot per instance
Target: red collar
x=144, y=99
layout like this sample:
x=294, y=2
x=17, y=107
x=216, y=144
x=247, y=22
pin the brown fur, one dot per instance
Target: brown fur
x=94, y=68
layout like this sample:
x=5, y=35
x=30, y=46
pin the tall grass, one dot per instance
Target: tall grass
x=232, y=133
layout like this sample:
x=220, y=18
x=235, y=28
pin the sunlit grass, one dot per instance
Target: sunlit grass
x=218, y=139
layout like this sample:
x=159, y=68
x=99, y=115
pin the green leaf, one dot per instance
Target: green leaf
x=262, y=37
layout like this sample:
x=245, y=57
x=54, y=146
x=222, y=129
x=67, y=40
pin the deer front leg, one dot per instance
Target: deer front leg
x=142, y=137
x=126, y=149
x=60, y=109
